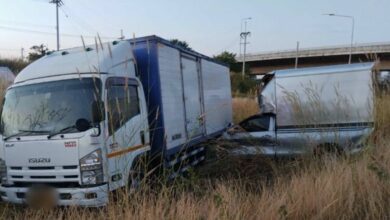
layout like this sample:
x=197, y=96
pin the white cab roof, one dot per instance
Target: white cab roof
x=89, y=59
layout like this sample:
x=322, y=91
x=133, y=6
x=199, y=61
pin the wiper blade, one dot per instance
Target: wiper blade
x=35, y=131
x=14, y=135
x=21, y=132
x=61, y=131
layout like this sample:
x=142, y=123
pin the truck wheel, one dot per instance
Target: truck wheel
x=135, y=180
x=136, y=175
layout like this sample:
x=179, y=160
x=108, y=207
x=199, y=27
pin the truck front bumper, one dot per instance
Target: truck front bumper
x=89, y=197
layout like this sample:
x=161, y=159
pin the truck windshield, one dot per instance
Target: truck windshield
x=48, y=107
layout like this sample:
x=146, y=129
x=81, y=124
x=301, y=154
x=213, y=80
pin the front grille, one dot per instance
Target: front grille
x=42, y=177
x=71, y=176
x=69, y=167
x=39, y=174
x=41, y=168
x=51, y=184
x=17, y=177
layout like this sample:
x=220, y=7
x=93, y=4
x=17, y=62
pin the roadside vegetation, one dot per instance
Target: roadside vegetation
x=15, y=65
x=226, y=187
x=244, y=107
x=330, y=187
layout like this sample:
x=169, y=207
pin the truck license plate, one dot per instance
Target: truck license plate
x=41, y=196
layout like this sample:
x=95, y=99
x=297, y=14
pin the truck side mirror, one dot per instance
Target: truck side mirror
x=98, y=111
x=82, y=124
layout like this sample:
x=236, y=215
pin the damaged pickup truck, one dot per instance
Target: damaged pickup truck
x=310, y=110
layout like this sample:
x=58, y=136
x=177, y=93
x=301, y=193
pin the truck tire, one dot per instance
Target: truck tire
x=137, y=174
x=135, y=180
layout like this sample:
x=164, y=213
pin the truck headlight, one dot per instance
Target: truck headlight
x=91, y=168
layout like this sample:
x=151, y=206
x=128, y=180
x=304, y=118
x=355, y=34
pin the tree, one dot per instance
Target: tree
x=38, y=51
x=243, y=85
x=230, y=59
x=180, y=43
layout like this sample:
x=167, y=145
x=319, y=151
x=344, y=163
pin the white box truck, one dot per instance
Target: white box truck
x=77, y=121
x=310, y=110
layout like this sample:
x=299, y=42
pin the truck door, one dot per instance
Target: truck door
x=192, y=97
x=126, y=127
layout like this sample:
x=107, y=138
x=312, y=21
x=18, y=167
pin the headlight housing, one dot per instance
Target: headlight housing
x=91, y=167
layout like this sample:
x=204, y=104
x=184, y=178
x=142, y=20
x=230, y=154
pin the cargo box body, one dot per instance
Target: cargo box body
x=188, y=94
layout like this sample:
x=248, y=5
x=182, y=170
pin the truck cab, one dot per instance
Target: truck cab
x=74, y=122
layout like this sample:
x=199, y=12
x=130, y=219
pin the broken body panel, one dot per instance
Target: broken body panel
x=312, y=109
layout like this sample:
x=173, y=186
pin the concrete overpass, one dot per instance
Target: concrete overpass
x=261, y=63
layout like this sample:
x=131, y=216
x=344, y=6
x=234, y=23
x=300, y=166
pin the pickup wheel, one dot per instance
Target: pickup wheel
x=328, y=148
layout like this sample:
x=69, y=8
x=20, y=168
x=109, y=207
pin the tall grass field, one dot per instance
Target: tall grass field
x=330, y=187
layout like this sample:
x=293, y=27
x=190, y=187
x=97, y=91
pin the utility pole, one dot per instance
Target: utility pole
x=122, y=37
x=22, y=53
x=296, y=56
x=244, y=35
x=58, y=3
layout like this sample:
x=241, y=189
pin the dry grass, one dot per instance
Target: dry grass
x=243, y=108
x=328, y=188
x=3, y=88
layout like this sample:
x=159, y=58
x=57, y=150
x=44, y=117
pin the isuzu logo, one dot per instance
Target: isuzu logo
x=39, y=160
x=9, y=145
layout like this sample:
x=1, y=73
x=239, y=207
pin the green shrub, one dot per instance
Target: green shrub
x=242, y=85
x=15, y=65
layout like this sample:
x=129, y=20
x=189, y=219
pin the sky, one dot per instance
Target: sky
x=209, y=26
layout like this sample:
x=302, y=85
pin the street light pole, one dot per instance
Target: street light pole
x=297, y=55
x=352, y=33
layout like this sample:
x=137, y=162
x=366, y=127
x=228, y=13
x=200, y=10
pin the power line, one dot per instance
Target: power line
x=8, y=49
x=25, y=30
x=231, y=44
x=80, y=22
x=41, y=1
x=19, y=23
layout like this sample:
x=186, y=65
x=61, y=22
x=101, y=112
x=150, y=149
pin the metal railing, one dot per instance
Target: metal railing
x=367, y=48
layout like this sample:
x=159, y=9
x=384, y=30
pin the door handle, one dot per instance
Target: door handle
x=142, y=134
